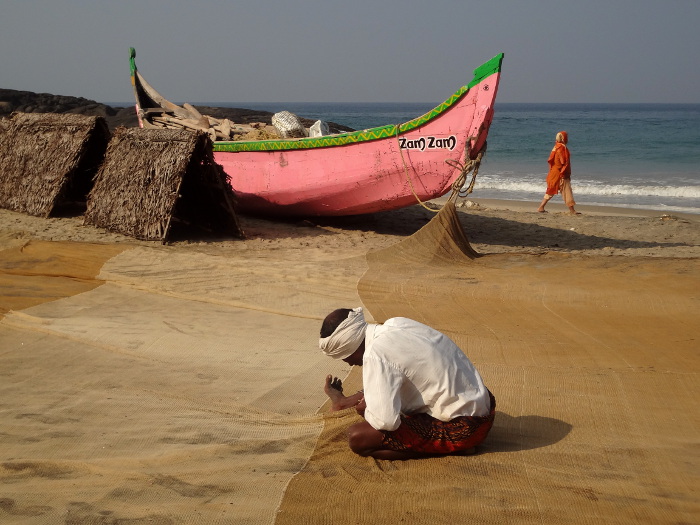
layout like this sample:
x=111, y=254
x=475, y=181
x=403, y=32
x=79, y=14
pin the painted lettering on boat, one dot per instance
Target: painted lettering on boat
x=429, y=142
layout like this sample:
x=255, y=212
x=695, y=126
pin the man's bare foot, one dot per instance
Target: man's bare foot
x=541, y=210
x=335, y=383
x=334, y=389
x=339, y=401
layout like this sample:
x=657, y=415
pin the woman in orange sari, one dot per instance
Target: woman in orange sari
x=559, y=176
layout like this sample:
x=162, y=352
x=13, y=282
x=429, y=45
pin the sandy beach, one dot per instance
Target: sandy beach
x=493, y=226
x=181, y=383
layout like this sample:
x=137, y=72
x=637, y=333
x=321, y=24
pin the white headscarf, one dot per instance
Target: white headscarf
x=346, y=339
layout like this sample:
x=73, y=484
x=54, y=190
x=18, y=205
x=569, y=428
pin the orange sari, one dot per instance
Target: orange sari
x=559, y=167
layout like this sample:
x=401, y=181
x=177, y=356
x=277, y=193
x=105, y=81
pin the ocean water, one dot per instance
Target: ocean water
x=626, y=155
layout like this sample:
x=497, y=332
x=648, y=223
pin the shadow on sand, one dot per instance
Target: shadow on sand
x=480, y=229
x=513, y=434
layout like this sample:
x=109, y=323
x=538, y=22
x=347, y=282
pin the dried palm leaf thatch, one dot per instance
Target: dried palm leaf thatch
x=48, y=160
x=155, y=180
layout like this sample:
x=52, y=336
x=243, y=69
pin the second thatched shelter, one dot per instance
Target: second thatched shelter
x=154, y=179
x=48, y=160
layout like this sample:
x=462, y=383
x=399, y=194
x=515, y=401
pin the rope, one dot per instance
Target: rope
x=472, y=165
x=464, y=167
x=408, y=177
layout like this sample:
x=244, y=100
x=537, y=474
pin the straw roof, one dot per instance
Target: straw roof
x=48, y=160
x=155, y=179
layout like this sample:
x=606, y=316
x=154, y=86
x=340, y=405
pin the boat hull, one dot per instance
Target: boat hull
x=368, y=176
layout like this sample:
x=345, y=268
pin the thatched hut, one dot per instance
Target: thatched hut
x=154, y=180
x=48, y=160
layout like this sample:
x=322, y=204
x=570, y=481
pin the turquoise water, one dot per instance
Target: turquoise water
x=628, y=155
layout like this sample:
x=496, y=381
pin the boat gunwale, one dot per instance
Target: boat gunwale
x=482, y=72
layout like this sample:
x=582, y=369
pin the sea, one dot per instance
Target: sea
x=625, y=155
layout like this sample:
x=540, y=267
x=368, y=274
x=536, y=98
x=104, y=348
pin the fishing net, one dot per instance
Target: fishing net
x=596, y=418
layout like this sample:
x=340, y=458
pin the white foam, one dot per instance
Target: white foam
x=528, y=185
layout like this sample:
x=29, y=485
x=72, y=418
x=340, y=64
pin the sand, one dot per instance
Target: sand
x=493, y=226
x=145, y=383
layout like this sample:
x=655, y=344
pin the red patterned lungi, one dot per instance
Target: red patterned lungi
x=424, y=433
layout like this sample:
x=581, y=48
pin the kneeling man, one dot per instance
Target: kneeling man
x=422, y=396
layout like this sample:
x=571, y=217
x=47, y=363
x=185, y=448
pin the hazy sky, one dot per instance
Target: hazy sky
x=353, y=50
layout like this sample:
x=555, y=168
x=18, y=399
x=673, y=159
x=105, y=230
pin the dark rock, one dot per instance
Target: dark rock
x=30, y=102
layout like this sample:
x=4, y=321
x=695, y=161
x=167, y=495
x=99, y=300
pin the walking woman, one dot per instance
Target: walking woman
x=559, y=176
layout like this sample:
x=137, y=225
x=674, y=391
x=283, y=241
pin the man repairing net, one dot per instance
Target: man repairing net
x=422, y=396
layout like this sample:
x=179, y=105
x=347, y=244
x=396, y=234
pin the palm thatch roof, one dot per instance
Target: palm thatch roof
x=48, y=160
x=154, y=180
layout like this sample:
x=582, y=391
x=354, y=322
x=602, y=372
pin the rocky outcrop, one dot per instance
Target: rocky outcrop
x=29, y=102
x=12, y=100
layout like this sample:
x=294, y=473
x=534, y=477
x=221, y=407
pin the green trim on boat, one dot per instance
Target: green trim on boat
x=480, y=73
x=132, y=61
x=484, y=70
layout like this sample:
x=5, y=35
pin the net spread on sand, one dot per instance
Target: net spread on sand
x=164, y=385
x=597, y=419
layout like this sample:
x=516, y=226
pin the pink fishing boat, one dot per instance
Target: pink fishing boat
x=366, y=171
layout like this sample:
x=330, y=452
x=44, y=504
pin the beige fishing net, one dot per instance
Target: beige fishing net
x=154, y=386
x=145, y=384
x=596, y=390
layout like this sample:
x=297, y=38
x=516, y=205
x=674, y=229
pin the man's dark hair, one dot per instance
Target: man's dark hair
x=333, y=320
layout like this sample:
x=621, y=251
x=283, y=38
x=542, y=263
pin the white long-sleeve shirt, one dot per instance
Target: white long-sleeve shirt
x=410, y=368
